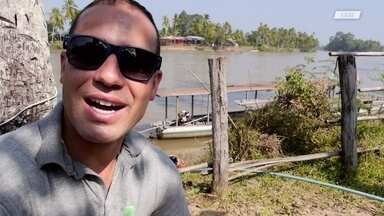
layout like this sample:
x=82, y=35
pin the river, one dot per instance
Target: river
x=242, y=68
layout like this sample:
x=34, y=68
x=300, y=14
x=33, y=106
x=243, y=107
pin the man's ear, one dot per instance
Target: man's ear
x=63, y=62
x=156, y=82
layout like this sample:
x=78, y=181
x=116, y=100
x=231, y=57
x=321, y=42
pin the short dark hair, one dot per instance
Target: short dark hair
x=112, y=2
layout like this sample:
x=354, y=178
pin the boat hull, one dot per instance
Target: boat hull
x=185, y=131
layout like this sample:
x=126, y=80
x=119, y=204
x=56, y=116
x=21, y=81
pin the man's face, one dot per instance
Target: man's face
x=122, y=25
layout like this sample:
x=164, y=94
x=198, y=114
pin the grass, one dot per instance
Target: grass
x=297, y=119
x=269, y=195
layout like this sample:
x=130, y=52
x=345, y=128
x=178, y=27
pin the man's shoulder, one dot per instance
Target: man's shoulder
x=151, y=154
x=18, y=168
x=25, y=140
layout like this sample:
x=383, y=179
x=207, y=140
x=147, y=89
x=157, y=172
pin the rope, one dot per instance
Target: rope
x=28, y=107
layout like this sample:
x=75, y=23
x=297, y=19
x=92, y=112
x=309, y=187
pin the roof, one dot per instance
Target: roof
x=195, y=38
x=172, y=38
x=204, y=91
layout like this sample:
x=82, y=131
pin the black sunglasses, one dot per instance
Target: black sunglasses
x=89, y=53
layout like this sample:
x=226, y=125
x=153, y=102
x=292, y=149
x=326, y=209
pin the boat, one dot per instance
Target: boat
x=185, y=131
x=188, y=124
x=252, y=104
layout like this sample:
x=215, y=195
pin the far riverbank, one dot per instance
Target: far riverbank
x=57, y=48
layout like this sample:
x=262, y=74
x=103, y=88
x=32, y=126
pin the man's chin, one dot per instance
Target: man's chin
x=102, y=136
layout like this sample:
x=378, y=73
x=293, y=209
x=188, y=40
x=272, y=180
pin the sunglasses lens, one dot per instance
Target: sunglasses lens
x=86, y=53
x=89, y=53
x=137, y=64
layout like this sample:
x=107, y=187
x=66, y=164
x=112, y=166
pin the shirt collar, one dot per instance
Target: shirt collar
x=53, y=151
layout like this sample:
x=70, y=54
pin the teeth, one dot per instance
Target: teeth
x=103, y=111
x=104, y=103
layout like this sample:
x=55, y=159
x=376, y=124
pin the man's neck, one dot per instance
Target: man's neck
x=100, y=157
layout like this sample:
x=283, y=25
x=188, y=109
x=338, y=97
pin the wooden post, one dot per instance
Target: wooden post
x=166, y=109
x=192, y=106
x=208, y=110
x=177, y=110
x=347, y=72
x=219, y=125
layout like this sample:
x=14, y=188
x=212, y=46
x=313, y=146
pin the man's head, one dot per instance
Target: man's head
x=112, y=2
x=103, y=102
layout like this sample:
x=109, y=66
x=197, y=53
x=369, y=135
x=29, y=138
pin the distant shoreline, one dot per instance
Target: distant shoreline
x=209, y=49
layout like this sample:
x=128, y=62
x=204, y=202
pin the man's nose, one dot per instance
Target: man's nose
x=109, y=75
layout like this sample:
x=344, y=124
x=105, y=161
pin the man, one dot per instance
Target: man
x=83, y=158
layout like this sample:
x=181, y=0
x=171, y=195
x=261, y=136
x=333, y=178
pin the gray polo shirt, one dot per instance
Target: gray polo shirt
x=38, y=177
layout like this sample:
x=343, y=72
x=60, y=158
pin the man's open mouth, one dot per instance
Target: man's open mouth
x=103, y=106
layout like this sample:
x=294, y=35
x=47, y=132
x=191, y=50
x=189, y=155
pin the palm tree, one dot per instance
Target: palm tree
x=70, y=10
x=166, y=26
x=56, y=22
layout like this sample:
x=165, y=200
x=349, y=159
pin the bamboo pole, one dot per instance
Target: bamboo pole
x=371, y=89
x=359, y=118
x=219, y=125
x=251, y=168
x=356, y=53
x=258, y=165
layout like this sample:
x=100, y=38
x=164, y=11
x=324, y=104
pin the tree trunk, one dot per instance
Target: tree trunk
x=26, y=78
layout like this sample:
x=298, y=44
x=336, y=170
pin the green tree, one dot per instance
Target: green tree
x=266, y=38
x=70, y=10
x=227, y=28
x=347, y=42
x=55, y=23
x=182, y=23
x=166, y=27
x=239, y=37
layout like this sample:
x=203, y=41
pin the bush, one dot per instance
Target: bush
x=246, y=143
x=297, y=115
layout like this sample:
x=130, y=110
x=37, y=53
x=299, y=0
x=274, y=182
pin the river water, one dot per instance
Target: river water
x=242, y=67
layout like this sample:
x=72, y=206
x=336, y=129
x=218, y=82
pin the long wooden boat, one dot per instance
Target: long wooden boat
x=199, y=125
x=185, y=131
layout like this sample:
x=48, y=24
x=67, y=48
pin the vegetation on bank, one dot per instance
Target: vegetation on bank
x=347, y=42
x=294, y=124
x=263, y=38
x=294, y=120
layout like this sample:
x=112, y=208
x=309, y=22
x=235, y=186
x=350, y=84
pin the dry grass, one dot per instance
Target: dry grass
x=269, y=195
x=266, y=195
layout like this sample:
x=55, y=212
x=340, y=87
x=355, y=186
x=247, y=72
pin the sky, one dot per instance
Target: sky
x=314, y=16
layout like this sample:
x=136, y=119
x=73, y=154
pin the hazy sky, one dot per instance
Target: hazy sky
x=304, y=15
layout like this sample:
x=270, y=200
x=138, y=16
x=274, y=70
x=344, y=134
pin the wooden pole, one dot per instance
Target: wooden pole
x=166, y=109
x=219, y=125
x=347, y=74
x=208, y=109
x=192, y=107
x=177, y=110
